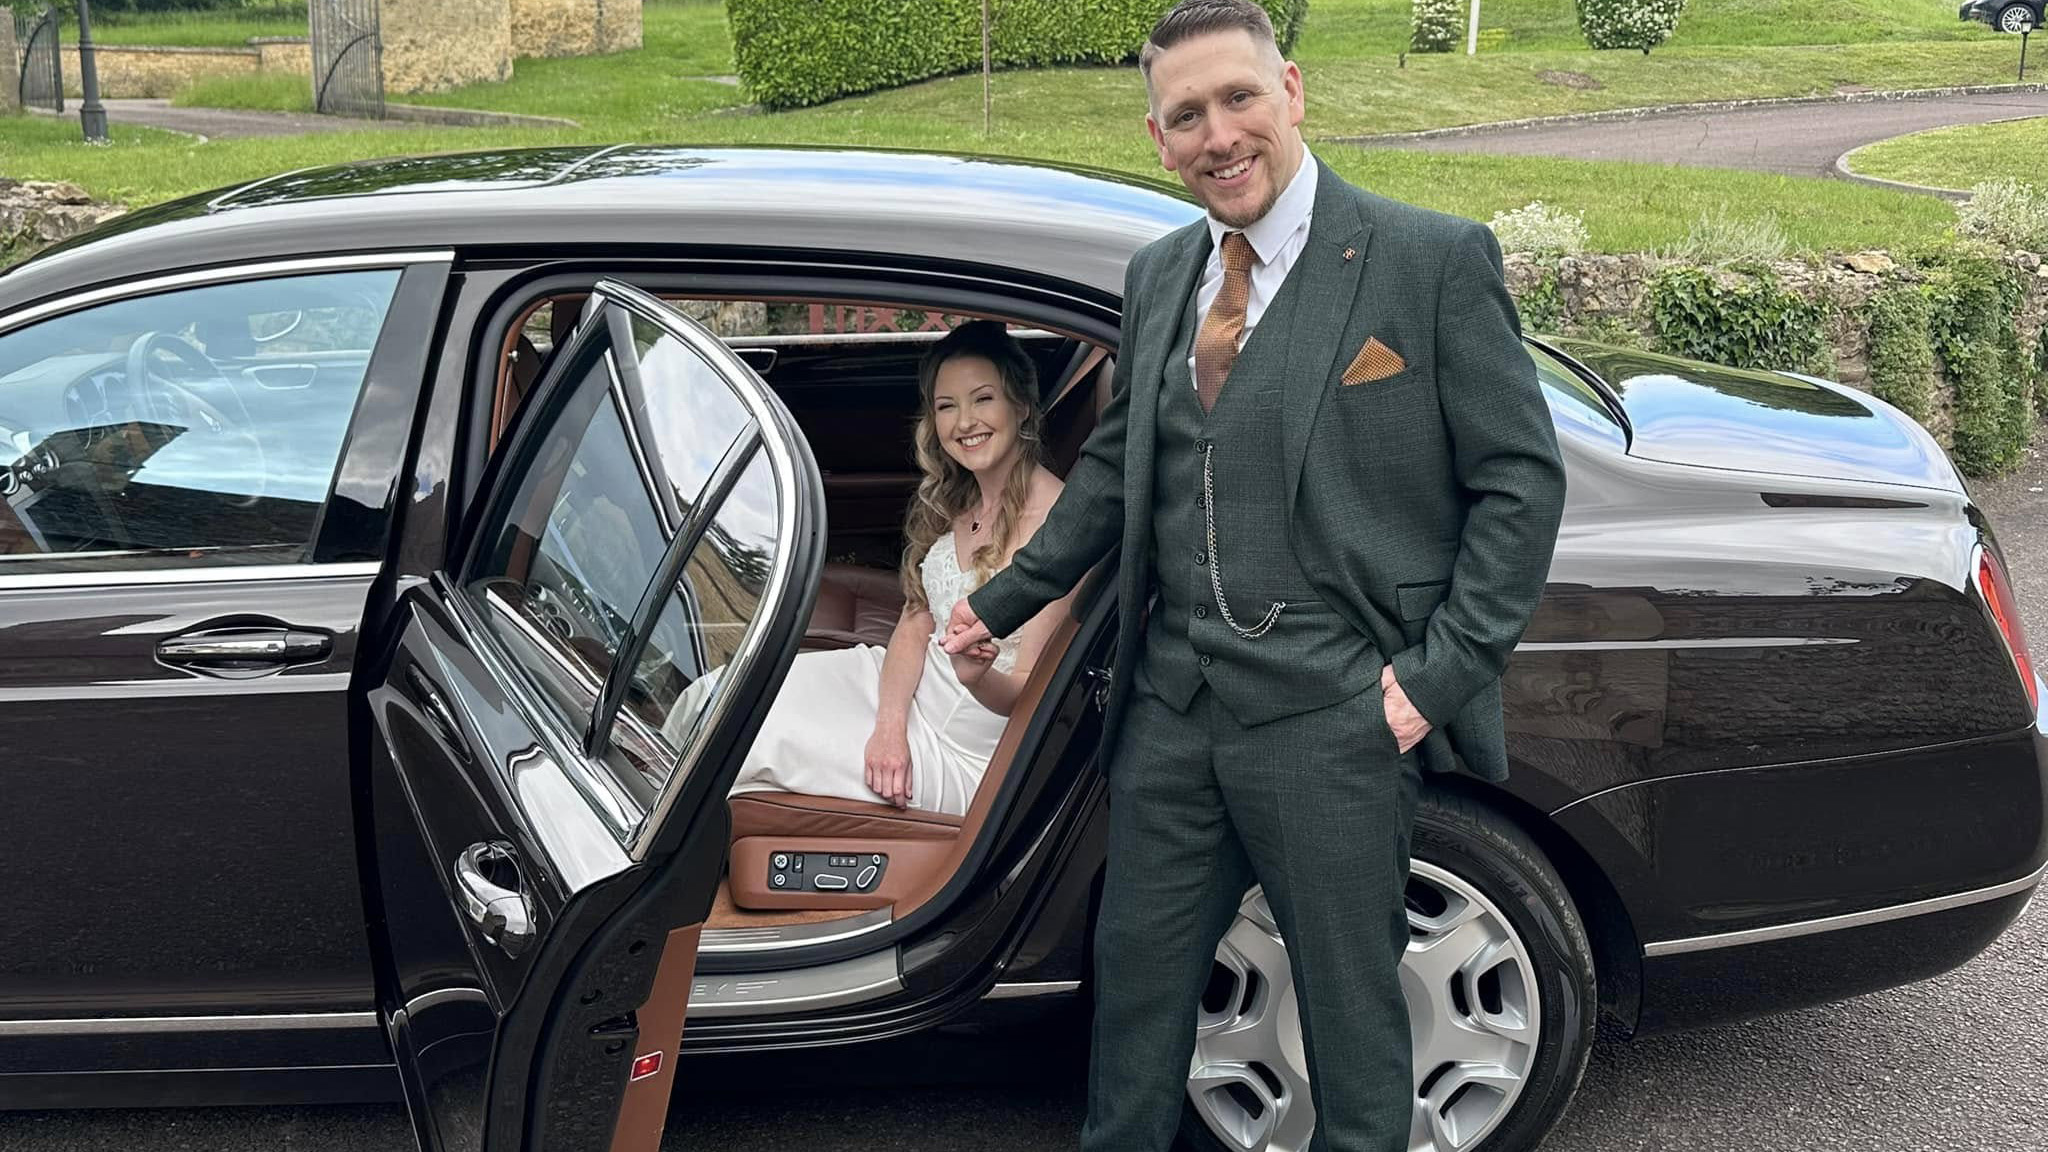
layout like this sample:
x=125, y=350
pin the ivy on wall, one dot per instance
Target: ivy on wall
x=1744, y=318
x=1973, y=298
x=1902, y=349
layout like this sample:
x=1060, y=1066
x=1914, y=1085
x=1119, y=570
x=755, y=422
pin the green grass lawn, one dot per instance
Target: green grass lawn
x=230, y=29
x=1726, y=49
x=270, y=91
x=1963, y=156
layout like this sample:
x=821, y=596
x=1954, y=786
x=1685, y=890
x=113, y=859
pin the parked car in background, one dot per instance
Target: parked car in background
x=2014, y=16
x=362, y=527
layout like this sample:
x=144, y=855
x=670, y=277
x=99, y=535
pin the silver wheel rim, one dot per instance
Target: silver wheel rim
x=1474, y=1012
x=2016, y=20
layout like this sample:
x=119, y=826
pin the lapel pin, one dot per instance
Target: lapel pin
x=1350, y=252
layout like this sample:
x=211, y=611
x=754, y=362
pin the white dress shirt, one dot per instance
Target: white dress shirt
x=1277, y=239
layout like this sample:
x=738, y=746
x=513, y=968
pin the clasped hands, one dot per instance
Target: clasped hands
x=965, y=633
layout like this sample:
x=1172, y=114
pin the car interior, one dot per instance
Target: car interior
x=847, y=371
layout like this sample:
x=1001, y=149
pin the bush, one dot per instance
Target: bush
x=1540, y=230
x=1722, y=238
x=796, y=52
x=1640, y=24
x=1744, y=320
x=2006, y=212
x=1902, y=350
x=1433, y=25
x=1974, y=297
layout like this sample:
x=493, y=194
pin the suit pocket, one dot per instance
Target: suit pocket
x=1417, y=601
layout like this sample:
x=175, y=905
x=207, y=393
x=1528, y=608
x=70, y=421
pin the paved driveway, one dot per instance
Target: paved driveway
x=1791, y=139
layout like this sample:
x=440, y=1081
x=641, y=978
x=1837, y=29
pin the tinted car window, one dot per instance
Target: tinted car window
x=197, y=426
x=605, y=480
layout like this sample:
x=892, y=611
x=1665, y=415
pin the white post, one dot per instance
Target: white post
x=1472, y=32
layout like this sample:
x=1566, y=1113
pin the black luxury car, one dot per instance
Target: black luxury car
x=2014, y=16
x=362, y=527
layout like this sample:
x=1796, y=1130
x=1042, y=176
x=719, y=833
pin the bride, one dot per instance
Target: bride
x=924, y=722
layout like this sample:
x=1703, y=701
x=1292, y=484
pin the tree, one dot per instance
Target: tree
x=1640, y=24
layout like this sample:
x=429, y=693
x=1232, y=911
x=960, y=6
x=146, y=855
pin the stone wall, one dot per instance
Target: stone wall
x=1602, y=297
x=134, y=70
x=37, y=213
x=574, y=27
x=434, y=45
x=10, y=94
x=285, y=54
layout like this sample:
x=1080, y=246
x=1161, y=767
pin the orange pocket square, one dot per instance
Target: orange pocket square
x=1375, y=361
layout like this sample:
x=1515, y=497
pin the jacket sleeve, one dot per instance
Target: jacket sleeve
x=1504, y=459
x=1085, y=522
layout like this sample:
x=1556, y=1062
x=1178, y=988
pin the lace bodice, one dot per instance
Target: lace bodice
x=945, y=584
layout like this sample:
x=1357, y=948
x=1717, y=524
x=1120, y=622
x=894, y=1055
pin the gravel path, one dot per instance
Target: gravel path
x=223, y=123
x=1791, y=139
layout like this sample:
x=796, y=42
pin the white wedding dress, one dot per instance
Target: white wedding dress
x=814, y=740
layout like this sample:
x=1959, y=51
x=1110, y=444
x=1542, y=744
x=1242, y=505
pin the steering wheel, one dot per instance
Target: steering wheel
x=207, y=402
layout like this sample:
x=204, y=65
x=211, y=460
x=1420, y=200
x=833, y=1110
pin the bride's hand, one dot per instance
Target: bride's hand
x=888, y=765
x=971, y=665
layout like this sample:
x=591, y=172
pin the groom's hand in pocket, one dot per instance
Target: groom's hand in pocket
x=888, y=765
x=1403, y=720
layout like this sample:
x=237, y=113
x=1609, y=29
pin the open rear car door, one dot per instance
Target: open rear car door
x=550, y=745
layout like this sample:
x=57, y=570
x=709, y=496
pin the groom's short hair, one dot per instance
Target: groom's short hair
x=1191, y=18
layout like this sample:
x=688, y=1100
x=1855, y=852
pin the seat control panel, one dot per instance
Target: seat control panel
x=826, y=871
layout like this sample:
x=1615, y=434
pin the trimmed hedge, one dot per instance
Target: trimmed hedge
x=796, y=52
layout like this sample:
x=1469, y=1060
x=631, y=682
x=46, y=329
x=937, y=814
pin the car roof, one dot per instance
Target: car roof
x=1066, y=223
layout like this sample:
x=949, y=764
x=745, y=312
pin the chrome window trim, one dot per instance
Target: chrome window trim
x=1847, y=920
x=213, y=574
x=130, y=1025
x=746, y=385
x=261, y=270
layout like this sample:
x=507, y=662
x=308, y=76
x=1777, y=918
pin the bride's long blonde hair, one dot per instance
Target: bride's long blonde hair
x=947, y=489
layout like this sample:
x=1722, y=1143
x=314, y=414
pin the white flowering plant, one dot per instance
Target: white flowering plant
x=1434, y=25
x=1640, y=24
x=2011, y=213
x=1540, y=230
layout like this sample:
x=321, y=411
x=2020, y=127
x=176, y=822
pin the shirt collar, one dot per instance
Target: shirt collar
x=1290, y=211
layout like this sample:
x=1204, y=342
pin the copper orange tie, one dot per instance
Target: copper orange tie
x=1216, y=343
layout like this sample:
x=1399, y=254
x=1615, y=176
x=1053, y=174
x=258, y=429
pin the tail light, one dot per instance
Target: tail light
x=1996, y=589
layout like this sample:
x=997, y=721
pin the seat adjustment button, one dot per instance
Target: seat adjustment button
x=866, y=877
x=828, y=882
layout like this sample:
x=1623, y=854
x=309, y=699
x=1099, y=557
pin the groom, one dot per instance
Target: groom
x=1329, y=460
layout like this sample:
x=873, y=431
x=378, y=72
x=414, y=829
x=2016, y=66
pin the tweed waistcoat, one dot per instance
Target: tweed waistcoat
x=1311, y=655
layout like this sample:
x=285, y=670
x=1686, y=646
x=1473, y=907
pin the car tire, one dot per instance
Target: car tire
x=1515, y=910
x=2016, y=18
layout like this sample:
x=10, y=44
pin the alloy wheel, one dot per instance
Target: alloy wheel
x=1473, y=1017
x=2015, y=18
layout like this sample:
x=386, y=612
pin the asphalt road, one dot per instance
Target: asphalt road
x=1957, y=1062
x=226, y=122
x=1792, y=139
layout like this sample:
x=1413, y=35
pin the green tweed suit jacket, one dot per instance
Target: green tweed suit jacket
x=1423, y=506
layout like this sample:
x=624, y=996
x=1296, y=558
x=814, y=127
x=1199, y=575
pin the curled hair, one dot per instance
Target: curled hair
x=945, y=489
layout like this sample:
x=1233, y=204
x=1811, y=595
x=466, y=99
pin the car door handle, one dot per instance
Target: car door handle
x=502, y=915
x=244, y=651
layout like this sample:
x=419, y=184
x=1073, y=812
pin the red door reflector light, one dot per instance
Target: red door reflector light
x=646, y=1066
x=1997, y=592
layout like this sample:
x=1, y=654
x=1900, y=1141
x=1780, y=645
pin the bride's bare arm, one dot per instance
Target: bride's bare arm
x=887, y=757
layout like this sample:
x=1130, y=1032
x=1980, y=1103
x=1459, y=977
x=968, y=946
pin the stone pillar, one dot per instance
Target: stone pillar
x=574, y=27
x=10, y=56
x=434, y=45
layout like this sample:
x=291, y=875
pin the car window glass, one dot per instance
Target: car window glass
x=1574, y=403
x=196, y=426
x=612, y=475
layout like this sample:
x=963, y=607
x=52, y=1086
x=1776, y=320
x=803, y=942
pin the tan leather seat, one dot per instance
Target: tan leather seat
x=856, y=605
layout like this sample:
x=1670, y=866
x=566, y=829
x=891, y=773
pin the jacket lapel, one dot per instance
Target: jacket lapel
x=1327, y=304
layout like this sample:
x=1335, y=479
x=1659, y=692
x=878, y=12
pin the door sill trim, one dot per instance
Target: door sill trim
x=739, y=941
x=791, y=990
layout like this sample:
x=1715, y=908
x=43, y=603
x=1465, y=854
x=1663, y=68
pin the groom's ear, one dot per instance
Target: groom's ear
x=1166, y=160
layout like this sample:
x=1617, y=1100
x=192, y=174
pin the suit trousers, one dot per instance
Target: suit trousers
x=1317, y=809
